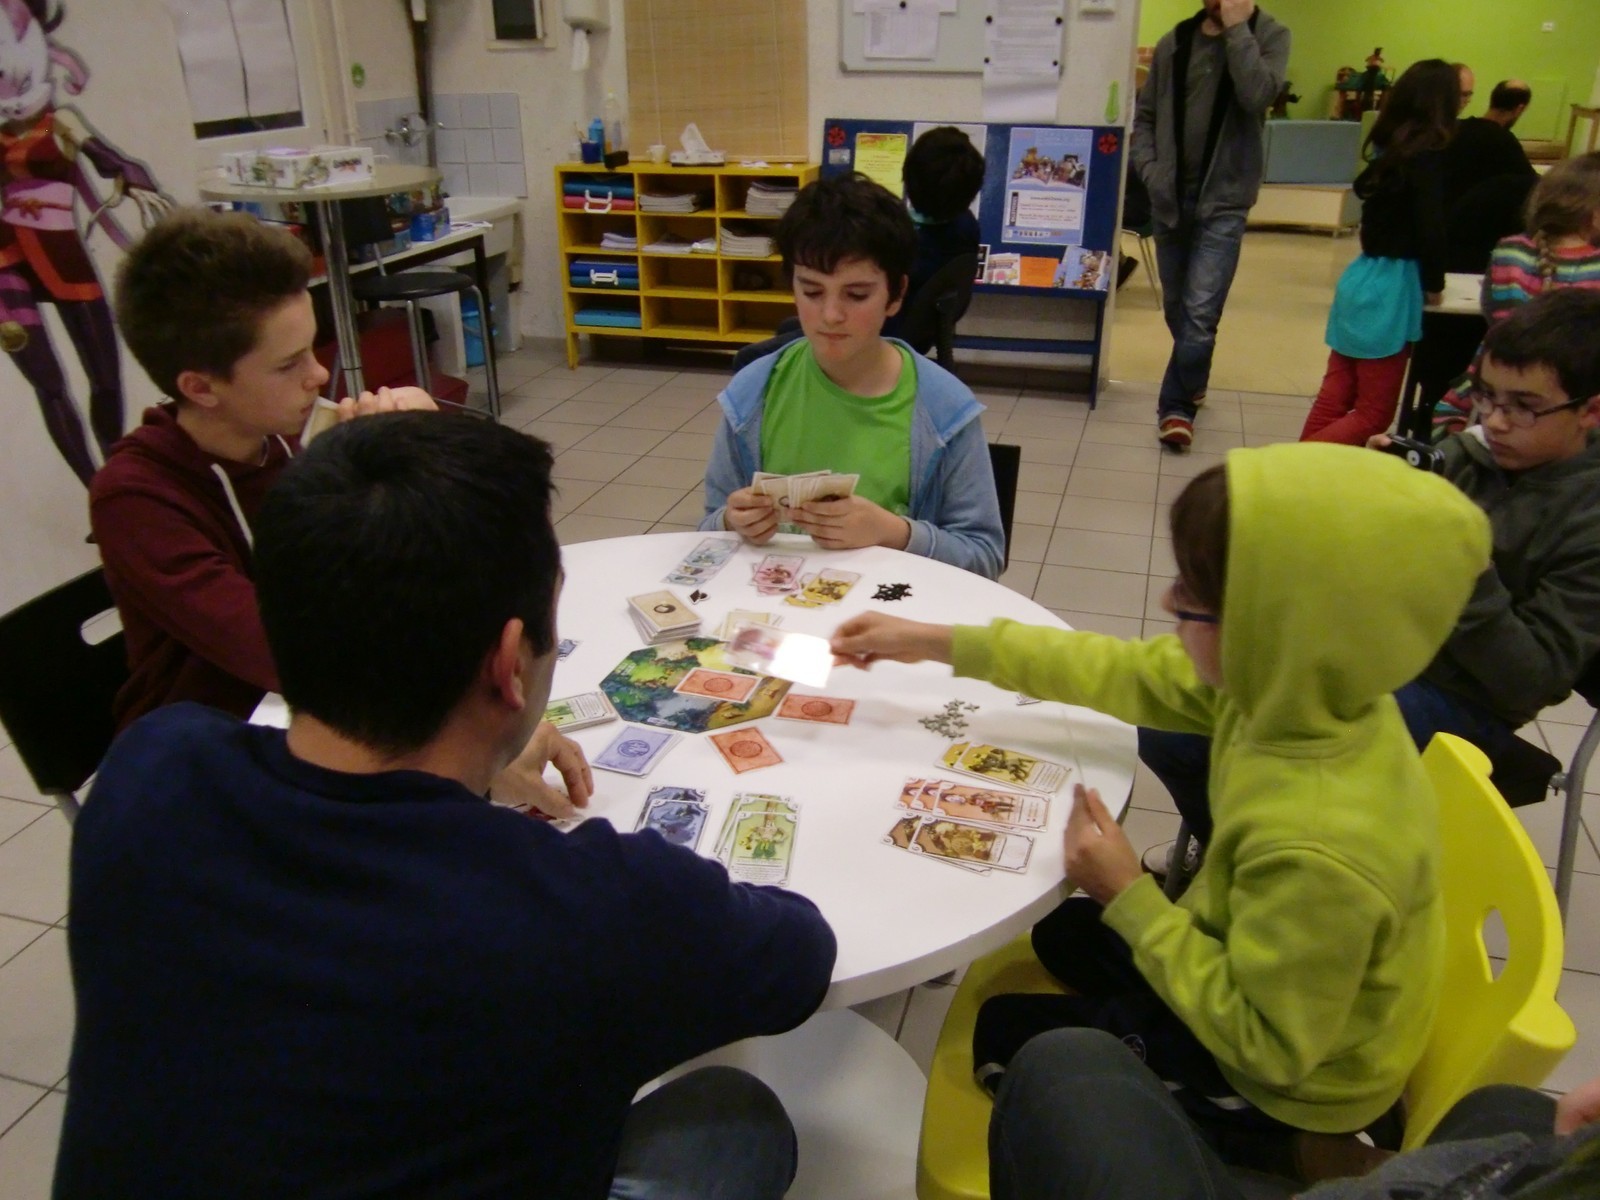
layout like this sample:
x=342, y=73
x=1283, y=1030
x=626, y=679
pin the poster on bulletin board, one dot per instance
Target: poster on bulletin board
x=1047, y=214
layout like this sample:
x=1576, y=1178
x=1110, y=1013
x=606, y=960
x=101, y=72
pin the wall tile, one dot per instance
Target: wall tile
x=505, y=110
x=475, y=110
x=447, y=110
x=508, y=146
x=452, y=145
x=456, y=181
x=483, y=179
x=480, y=146
x=513, y=180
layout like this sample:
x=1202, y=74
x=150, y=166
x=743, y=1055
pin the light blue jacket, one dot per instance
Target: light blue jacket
x=954, y=513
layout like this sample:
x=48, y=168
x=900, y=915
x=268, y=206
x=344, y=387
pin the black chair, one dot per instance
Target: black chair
x=1006, y=459
x=931, y=315
x=57, y=688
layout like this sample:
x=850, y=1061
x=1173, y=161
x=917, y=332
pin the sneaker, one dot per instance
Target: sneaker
x=1157, y=860
x=1199, y=402
x=1176, y=433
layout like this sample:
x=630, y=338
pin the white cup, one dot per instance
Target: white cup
x=658, y=154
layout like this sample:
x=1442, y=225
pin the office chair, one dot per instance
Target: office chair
x=1006, y=460
x=931, y=315
x=56, y=689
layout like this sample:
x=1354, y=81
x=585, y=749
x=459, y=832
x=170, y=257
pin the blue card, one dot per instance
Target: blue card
x=677, y=814
x=635, y=750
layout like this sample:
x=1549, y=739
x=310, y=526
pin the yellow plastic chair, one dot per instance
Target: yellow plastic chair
x=1489, y=1029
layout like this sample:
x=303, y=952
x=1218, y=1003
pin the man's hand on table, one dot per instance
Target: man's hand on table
x=1099, y=857
x=751, y=515
x=523, y=783
x=401, y=399
x=862, y=641
x=849, y=523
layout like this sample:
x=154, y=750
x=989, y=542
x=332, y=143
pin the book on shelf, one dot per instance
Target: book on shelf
x=673, y=202
x=769, y=199
x=618, y=241
x=672, y=243
x=744, y=242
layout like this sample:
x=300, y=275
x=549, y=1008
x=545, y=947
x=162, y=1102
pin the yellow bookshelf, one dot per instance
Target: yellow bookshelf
x=714, y=298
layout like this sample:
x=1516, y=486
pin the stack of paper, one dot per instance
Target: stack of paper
x=674, y=202
x=769, y=199
x=662, y=617
x=672, y=243
x=746, y=243
x=619, y=241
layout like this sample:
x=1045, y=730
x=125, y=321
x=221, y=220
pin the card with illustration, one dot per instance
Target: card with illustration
x=580, y=711
x=1014, y=767
x=744, y=803
x=760, y=842
x=635, y=750
x=825, y=587
x=704, y=561
x=798, y=657
x=778, y=574
x=678, y=814
x=718, y=685
x=904, y=831
x=955, y=841
x=823, y=710
x=974, y=803
x=745, y=749
x=565, y=647
x=745, y=616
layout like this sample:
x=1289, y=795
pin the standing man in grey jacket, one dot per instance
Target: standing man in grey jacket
x=1197, y=147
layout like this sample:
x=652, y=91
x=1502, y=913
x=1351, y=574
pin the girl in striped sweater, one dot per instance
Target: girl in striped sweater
x=1560, y=249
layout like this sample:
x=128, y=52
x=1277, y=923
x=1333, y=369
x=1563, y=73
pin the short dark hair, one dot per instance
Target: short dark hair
x=1199, y=526
x=1559, y=329
x=844, y=217
x=943, y=173
x=1505, y=97
x=191, y=294
x=388, y=559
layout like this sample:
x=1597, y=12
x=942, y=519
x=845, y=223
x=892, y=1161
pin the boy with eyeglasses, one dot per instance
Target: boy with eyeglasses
x=1532, y=464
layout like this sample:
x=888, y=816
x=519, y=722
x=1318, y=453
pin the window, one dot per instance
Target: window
x=515, y=23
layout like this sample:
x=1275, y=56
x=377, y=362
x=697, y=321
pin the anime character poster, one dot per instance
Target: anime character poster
x=1047, y=183
x=61, y=185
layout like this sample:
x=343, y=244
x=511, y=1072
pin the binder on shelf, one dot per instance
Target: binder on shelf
x=620, y=187
x=612, y=318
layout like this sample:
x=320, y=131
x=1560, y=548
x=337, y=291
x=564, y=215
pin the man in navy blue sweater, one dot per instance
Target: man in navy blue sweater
x=320, y=964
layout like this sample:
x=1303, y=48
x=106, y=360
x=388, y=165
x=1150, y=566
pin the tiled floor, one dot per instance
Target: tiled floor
x=1090, y=544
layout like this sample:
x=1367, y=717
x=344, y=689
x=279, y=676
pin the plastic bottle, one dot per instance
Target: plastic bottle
x=613, y=115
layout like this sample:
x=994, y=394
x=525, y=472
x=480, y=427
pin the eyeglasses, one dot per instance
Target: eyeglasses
x=1516, y=413
x=1179, y=595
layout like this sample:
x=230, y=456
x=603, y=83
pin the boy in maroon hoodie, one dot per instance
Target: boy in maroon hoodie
x=215, y=309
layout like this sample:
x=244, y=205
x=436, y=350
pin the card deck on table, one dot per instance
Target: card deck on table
x=745, y=749
x=704, y=561
x=718, y=685
x=824, y=710
x=580, y=711
x=777, y=574
x=825, y=587
x=958, y=842
x=798, y=657
x=565, y=647
x=662, y=617
x=1014, y=767
x=745, y=616
x=974, y=803
x=676, y=813
x=635, y=750
x=757, y=841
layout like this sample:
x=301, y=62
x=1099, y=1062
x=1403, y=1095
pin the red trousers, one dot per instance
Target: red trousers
x=1358, y=398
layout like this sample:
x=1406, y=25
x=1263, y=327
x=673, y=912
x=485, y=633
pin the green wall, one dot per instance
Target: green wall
x=1497, y=38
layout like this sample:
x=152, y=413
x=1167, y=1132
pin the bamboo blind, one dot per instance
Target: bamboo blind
x=736, y=68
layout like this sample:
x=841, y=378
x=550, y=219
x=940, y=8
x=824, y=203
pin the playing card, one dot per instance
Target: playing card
x=903, y=831
x=718, y=685
x=825, y=587
x=324, y=415
x=662, y=611
x=1024, y=698
x=704, y=561
x=798, y=657
x=759, y=843
x=778, y=574
x=974, y=803
x=565, y=647
x=635, y=750
x=580, y=711
x=954, y=841
x=824, y=710
x=740, y=616
x=1014, y=767
x=677, y=814
x=745, y=749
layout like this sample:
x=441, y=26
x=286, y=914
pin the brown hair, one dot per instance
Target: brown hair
x=1418, y=114
x=1564, y=202
x=192, y=293
x=1199, y=525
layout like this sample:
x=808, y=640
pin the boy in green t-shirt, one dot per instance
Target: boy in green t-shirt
x=847, y=399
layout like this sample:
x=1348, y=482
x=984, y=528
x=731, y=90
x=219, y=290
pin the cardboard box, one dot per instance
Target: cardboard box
x=292, y=169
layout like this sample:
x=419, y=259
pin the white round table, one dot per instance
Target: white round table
x=900, y=920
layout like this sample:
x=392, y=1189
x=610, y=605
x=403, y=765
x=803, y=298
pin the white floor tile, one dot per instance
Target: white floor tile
x=33, y=872
x=1150, y=793
x=36, y=998
x=17, y=815
x=1580, y=996
x=1146, y=828
x=685, y=445
x=561, y=435
x=631, y=501
x=1029, y=542
x=15, y=782
x=1107, y=516
x=1021, y=577
x=1122, y=627
x=1543, y=823
x=592, y=464
x=1102, y=551
x=1117, y=593
x=16, y=935
x=886, y=1012
x=1112, y=485
x=621, y=440
x=16, y=1098
x=28, y=1151
x=1574, y=710
x=1583, y=925
x=581, y=527
x=680, y=473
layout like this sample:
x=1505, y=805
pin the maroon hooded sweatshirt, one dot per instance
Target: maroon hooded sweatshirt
x=173, y=527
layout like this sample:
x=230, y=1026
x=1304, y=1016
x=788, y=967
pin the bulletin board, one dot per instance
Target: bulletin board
x=1048, y=213
x=960, y=42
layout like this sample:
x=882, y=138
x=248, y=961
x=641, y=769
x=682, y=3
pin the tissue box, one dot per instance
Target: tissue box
x=697, y=158
x=291, y=169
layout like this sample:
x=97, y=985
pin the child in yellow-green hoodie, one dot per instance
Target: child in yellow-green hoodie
x=1293, y=985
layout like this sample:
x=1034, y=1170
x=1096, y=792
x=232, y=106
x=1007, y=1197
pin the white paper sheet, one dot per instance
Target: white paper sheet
x=238, y=58
x=908, y=30
x=1023, y=44
x=1012, y=97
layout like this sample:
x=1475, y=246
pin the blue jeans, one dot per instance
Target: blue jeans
x=1197, y=262
x=1182, y=761
x=715, y=1134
